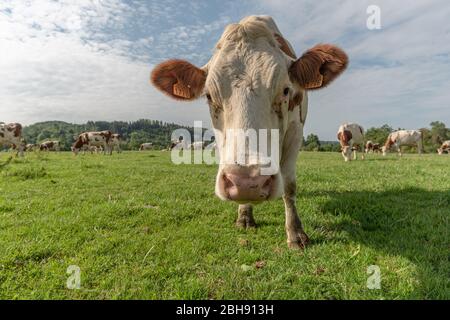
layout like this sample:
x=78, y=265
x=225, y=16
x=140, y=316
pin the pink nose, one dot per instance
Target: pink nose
x=243, y=188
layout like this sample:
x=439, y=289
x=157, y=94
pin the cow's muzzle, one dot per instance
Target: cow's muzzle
x=245, y=185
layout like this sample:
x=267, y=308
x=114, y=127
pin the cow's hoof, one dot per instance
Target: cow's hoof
x=301, y=242
x=246, y=222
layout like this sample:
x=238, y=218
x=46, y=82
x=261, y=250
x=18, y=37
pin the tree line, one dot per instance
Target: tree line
x=135, y=133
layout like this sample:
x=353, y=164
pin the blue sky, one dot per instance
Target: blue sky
x=90, y=60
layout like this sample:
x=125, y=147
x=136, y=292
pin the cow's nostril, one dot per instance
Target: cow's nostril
x=228, y=182
x=268, y=182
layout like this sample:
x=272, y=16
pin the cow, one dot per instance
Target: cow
x=351, y=139
x=254, y=81
x=146, y=146
x=372, y=147
x=31, y=147
x=93, y=139
x=445, y=147
x=115, y=142
x=49, y=146
x=11, y=135
x=401, y=138
x=197, y=145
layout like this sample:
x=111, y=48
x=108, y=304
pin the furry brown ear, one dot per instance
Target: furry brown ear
x=179, y=79
x=318, y=66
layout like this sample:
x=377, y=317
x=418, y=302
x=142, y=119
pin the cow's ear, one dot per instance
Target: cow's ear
x=179, y=79
x=318, y=66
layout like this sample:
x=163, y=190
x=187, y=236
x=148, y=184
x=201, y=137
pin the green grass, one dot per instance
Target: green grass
x=140, y=227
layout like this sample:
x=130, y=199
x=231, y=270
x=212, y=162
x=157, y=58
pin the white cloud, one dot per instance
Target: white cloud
x=398, y=75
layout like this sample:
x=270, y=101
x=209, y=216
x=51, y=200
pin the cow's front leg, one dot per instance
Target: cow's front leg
x=296, y=236
x=245, y=216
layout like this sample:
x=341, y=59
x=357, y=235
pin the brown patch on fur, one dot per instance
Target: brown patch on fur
x=46, y=145
x=318, y=66
x=16, y=128
x=81, y=141
x=296, y=100
x=344, y=137
x=179, y=79
x=106, y=134
x=284, y=46
x=389, y=142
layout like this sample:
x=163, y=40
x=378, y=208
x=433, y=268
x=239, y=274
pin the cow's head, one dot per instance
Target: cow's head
x=440, y=151
x=253, y=81
x=344, y=138
x=80, y=141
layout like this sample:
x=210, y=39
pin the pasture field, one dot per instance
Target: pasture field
x=140, y=227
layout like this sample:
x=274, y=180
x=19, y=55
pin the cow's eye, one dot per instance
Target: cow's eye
x=286, y=91
x=208, y=96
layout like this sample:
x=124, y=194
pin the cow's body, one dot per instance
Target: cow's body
x=49, y=146
x=445, y=147
x=400, y=138
x=198, y=145
x=11, y=135
x=31, y=147
x=116, y=139
x=93, y=139
x=351, y=138
x=372, y=147
x=254, y=82
x=146, y=146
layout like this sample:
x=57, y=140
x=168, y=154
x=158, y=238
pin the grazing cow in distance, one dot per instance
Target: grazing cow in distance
x=94, y=138
x=351, y=138
x=445, y=147
x=116, y=139
x=31, y=147
x=372, y=147
x=197, y=145
x=255, y=82
x=146, y=146
x=11, y=135
x=401, y=138
x=49, y=146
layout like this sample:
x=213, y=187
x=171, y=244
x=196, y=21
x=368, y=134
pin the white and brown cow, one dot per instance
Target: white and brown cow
x=93, y=139
x=400, y=138
x=445, y=147
x=146, y=146
x=372, y=147
x=255, y=82
x=11, y=135
x=197, y=145
x=351, y=138
x=31, y=147
x=116, y=139
x=49, y=146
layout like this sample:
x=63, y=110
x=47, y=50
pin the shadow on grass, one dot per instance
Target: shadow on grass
x=411, y=222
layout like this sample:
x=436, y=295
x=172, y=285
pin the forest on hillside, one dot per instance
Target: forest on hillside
x=159, y=133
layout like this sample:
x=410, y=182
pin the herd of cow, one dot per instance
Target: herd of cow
x=351, y=138
x=94, y=141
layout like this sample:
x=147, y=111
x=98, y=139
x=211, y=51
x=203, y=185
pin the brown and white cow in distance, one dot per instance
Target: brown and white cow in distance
x=146, y=146
x=93, y=139
x=49, y=146
x=400, y=138
x=372, y=147
x=445, y=147
x=11, y=135
x=351, y=139
x=116, y=139
x=254, y=81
